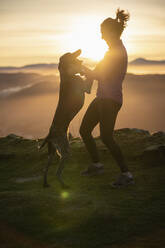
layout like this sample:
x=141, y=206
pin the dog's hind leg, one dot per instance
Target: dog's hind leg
x=64, y=154
x=50, y=160
x=60, y=168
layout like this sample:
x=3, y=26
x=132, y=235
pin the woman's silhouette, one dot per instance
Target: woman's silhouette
x=110, y=73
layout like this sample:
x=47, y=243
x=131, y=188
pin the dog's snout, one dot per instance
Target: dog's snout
x=76, y=53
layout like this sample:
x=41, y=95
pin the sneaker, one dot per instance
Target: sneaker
x=123, y=180
x=93, y=170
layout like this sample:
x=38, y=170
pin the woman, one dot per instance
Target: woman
x=110, y=73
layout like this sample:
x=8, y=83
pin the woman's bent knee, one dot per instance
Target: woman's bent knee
x=84, y=132
x=107, y=140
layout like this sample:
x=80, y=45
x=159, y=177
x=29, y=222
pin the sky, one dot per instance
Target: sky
x=39, y=31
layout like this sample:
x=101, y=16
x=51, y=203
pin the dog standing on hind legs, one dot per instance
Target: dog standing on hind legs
x=71, y=100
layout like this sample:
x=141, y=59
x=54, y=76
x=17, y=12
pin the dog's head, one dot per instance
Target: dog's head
x=69, y=64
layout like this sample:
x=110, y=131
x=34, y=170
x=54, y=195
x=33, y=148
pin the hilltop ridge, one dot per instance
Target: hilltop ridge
x=90, y=214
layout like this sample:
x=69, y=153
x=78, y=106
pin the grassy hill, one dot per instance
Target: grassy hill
x=89, y=214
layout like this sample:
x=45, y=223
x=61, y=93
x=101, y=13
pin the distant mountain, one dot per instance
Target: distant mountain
x=26, y=84
x=142, y=61
x=41, y=66
x=47, y=66
x=32, y=67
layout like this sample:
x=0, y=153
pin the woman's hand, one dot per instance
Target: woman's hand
x=87, y=72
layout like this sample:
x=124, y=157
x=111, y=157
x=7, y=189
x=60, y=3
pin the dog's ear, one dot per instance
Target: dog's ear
x=76, y=53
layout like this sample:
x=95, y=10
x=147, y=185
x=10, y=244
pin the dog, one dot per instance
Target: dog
x=71, y=100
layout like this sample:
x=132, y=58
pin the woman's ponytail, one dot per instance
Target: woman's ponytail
x=118, y=24
x=122, y=17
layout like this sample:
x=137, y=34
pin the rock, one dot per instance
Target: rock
x=159, y=134
x=14, y=139
x=13, y=136
x=154, y=155
x=122, y=130
x=140, y=131
x=131, y=131
x=158, y=138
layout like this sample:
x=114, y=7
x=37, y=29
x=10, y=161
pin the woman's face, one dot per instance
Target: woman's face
x=103, y=34
x=107, y=35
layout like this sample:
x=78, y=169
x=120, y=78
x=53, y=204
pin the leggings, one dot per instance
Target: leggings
x=104, y=112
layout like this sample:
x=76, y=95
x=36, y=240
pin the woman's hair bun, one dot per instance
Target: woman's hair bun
x=122, y=17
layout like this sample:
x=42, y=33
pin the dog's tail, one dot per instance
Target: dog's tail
x=43, y=143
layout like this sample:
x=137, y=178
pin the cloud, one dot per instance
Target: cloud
x=13, y=90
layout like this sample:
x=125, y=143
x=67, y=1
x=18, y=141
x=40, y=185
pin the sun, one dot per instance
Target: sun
x=86, y=36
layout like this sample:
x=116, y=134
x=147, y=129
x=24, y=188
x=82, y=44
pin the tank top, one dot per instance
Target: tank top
x=111, y=72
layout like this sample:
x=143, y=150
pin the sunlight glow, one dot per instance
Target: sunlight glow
x=86, y=36
x=64, y=194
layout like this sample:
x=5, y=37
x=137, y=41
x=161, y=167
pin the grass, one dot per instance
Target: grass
x=89, y=214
